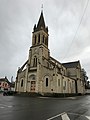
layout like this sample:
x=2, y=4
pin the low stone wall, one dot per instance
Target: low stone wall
x=26, y=94
x=87, y=91
x=61, y=94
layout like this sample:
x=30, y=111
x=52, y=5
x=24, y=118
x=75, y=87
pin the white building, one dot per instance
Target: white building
x=42, y=73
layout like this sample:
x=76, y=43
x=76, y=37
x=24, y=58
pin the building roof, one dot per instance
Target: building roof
x=4, y=80
x=71, y=64
x=41, y=24
x=12, y=84
x=56, y=61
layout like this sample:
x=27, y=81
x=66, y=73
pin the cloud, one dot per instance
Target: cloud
x=17, y=18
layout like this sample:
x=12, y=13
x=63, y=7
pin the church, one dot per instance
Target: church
x=42, y=74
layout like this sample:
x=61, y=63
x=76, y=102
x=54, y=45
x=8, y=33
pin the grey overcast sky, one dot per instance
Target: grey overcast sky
x=17, y=18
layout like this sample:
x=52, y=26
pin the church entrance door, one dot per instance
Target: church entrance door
x=33, y=85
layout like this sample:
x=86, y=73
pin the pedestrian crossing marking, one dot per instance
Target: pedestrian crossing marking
x=5, y=106
x=56, y=116
x=65, y=117
x=88, y=117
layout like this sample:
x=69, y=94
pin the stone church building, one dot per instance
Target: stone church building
x=42, y=73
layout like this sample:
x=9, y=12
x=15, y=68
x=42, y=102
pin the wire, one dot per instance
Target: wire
x=77, y=30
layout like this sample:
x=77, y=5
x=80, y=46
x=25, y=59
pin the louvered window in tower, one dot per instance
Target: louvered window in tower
x=46, y=41
x=43, y=39
x=35, y=39
x=39, y=38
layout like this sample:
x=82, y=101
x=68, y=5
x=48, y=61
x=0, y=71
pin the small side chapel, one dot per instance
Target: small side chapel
x=42, y=73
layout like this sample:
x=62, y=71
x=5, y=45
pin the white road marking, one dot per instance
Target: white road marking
x=73, y=98
x=65, y=117
x=3, y=106
x=80, y=115
x=88, y=117
x=9, y=106
x=43, y=97
x=85, y=104
x=56, y=116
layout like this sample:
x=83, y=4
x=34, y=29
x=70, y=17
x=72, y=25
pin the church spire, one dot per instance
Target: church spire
x=40, y=32
x=41, y=23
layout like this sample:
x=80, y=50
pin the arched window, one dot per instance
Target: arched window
x=22, y=83
x=43, y=39
x=32, y=77
x=35, y=39
x=35, y=61
x=46, y=82
x=58, y=82
x=46, y=41
x=39, y=38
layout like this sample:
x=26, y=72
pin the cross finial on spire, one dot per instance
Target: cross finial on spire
x=42, y=8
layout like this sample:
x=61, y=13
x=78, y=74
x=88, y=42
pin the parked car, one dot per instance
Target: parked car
x=7, y=93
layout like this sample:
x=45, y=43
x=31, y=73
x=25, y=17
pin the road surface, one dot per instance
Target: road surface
x=44, y=108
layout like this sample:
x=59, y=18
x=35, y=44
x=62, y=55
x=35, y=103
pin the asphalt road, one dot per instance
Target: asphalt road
x=43, y=108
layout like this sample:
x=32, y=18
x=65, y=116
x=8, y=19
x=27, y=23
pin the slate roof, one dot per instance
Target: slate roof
x=41, y=24
x=71, y=64
x=2, y=79
x=5, y=80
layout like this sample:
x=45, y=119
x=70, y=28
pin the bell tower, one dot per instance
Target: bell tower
x=39, y=48
x=40, y=33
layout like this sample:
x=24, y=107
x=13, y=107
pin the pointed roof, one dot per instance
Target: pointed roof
x=41, y=22
x=4, y=80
